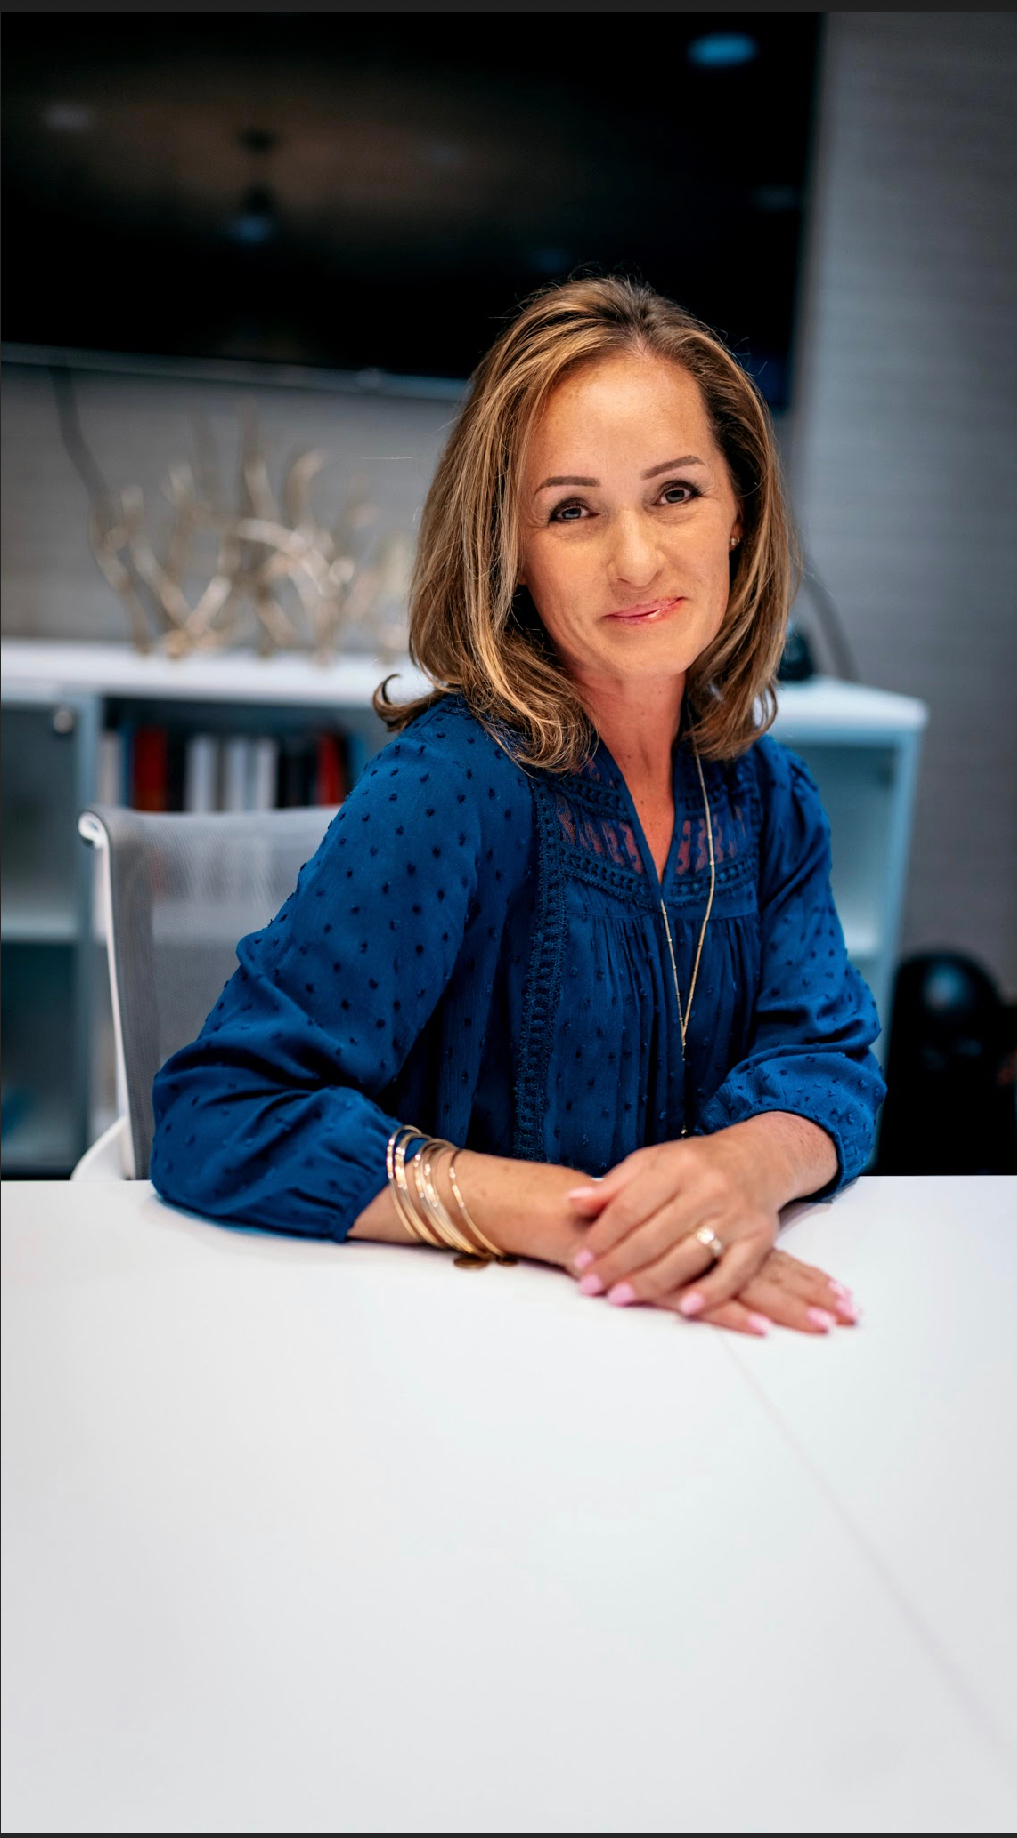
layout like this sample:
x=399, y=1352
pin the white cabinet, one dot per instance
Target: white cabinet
x=861, y=746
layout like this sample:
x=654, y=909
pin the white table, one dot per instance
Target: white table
x=307, y=1537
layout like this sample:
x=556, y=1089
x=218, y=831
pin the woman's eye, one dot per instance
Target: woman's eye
x=679, y=494
x=567, y=513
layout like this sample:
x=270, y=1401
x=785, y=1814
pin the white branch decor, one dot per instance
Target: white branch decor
x=305, y=583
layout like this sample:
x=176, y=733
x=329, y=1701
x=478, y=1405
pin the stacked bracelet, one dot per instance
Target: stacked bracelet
x=421, y=1208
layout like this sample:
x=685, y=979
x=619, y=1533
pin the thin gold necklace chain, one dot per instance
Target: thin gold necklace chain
x=684, y=1019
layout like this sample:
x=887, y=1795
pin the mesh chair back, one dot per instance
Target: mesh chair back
x=182, y=891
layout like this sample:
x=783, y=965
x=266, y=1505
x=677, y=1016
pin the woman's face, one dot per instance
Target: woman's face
x=627, y=516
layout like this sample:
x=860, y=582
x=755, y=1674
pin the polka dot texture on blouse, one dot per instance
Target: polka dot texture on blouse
x=480, y=951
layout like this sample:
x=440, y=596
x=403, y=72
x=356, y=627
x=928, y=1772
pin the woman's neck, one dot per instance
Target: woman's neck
x=639, y=724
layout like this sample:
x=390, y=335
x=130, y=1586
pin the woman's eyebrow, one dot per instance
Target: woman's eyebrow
x=567, y=479
x=684, y=459
x=574, y=478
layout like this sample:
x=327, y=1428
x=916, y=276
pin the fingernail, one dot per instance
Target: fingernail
x=839, y=1290
x=850, y=1310
x=581, y=1193
x=582, y=1260
x=758, y=1323
x=820, y=1317
x=622, y=1294
x=591, y=1286
x=691, y=1305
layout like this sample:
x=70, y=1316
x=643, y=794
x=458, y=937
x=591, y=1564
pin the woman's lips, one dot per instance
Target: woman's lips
x=646, y=615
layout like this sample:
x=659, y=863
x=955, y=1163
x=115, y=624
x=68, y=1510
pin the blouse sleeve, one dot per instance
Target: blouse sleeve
x=271, y=1117
x=814, y=1020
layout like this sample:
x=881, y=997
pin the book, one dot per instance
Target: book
x=201, y=764
x=176, y=769
x=330, y=770
x=238, y=775
x=265, y=772
x=297, y=771
x=109, y=769
x=150, y=769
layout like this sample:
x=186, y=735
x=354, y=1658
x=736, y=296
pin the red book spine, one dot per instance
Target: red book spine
x=151, y=769
x=330, y=776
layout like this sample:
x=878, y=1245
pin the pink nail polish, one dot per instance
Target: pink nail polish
x=759, y=1324
x=691, y=1305
x=622, y=1294
x=839, y=1290
x=820, y=1317
x=582, y=1260
x=591, y=1286
x=849, y=1310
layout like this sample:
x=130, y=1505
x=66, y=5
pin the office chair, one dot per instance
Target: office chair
x=179, y=891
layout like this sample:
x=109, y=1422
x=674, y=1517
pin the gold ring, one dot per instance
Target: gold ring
x=707, y=1237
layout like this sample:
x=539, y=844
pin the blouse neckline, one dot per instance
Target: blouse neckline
x=679, y=753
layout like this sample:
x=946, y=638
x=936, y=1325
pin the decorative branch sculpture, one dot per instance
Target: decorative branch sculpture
x=308, y=584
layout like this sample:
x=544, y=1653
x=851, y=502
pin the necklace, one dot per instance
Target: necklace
x=684, y=1018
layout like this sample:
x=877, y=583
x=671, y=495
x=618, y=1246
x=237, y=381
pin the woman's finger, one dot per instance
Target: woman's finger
x=812, y=1284
x=593, y=1192
x=787, y=1309
x=658, y=1255
x=728, y=1277
x=632, y=1206
x=651, y=1262
x=730, y=1314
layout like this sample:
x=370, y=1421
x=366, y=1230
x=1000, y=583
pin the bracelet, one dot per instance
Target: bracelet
x=438, y=1215
x=499, y=1256
x=423, y=1211
x=399, y=1186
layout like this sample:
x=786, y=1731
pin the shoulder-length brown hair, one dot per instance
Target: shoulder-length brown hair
x=471, y=629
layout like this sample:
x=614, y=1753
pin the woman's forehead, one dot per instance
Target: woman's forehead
x=634, y=397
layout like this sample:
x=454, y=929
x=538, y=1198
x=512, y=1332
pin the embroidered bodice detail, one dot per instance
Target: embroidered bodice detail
x=479, y=951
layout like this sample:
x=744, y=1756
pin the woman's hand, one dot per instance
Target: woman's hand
x=642, y=1246
x=786, y=1291
x=644, y=1216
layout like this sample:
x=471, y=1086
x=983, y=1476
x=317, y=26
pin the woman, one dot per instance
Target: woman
x=576, y=918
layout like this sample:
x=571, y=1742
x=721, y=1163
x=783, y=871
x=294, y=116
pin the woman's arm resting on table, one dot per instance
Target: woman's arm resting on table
x=525, y=1207
x=521, y=1206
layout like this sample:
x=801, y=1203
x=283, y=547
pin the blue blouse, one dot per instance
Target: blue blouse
x=480, y=950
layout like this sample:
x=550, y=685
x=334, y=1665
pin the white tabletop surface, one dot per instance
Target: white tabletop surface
x=339, y=1538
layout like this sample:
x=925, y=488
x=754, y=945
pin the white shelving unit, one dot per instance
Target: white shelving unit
x=862, y=746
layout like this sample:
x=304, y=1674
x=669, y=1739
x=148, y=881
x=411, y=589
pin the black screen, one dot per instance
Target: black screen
x=362, y=191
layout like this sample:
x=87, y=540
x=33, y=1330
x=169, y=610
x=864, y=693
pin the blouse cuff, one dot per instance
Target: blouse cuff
x=721, y=1112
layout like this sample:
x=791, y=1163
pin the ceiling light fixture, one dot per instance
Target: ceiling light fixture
x=722, y=50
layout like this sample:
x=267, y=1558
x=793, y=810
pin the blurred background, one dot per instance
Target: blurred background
x=252, y=259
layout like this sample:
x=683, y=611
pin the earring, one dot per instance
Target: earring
x=733, y=543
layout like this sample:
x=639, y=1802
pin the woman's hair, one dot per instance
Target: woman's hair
x=475, y=632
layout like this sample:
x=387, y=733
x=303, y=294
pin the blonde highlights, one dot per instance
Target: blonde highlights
x=471, y=630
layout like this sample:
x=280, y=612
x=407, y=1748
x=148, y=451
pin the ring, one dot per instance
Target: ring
x=707, y=1237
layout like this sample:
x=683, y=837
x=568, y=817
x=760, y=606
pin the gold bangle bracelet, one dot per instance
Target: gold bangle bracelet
x=438, y=1214
x=501, y=1257
x=399, y=1186
x=421, y=1208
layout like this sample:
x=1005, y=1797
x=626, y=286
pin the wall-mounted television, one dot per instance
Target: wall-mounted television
x=377, y=191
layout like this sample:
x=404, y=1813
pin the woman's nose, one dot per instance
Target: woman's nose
x=635, y=557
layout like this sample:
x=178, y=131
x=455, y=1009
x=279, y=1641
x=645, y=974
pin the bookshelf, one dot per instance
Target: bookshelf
x=288, y=729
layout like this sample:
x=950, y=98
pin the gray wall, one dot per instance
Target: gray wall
x=901, y=450
x=904, y=445
x=136, y=426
